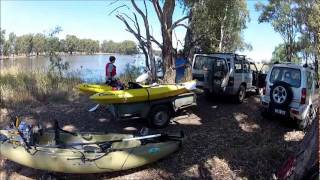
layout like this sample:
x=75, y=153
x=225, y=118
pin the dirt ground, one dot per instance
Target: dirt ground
x=223, y=140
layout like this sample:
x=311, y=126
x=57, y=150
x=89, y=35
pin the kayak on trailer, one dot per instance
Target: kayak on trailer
x=97, y=88
x=93, y=88
x=147, y=93
x=86, y=152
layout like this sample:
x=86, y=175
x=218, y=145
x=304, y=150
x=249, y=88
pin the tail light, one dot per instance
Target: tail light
x=303, y=96
x=114, y=88
x=264, y=89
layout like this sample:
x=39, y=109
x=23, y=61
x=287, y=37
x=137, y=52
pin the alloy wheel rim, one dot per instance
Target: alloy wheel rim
x=279, y=94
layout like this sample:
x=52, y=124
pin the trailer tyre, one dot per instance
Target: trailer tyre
x=159, y=116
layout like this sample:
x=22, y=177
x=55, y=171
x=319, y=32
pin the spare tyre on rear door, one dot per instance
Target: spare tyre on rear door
x=281, y=94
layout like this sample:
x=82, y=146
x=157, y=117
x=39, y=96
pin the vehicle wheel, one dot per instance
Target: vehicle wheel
x=308, y=120
x=241, y=94
x=159, y=116
x=281, y=94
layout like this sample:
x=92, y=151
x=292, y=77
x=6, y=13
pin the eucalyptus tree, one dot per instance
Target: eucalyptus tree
x=39, y=43
x=164, y=10
x=12, y=40
x=26, y=44
x=72, y=43
x=281, y=14
x=215, y=26
x=2, y=39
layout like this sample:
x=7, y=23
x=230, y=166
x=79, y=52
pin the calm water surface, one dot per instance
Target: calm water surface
x=91, y=68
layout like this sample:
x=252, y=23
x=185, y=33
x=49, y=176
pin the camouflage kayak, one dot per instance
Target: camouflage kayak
x=86, y=152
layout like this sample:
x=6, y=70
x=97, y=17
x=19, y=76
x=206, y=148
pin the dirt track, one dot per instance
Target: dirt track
x=223, y=140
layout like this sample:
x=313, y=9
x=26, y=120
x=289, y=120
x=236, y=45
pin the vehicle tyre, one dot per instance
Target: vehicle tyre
x=159, y=116
x=281, y=94
x=241, y=94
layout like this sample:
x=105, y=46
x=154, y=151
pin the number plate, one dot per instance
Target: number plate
x=279, y=111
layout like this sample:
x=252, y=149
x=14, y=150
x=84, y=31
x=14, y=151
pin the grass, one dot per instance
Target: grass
x=23, y=86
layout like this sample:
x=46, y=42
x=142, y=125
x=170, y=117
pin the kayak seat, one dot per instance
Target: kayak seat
x=133, y=85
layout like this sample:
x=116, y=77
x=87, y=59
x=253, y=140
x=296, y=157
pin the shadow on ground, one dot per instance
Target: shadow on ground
x=223, y=140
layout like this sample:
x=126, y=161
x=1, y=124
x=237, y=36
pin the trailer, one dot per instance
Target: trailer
x=158, y=113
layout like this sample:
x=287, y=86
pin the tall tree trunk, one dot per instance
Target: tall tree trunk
x=222, y=27
x=188, y=51
x=168, y=60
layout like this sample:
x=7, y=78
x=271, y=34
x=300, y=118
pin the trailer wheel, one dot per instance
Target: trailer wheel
x=159, y=116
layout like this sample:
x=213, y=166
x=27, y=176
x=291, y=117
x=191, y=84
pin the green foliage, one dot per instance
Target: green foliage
x=6, y=48
x=124, y=47
x=130, y=74
x=48, y=44
x=25, y=43
x=19, y=87
x=217, y=25
x=279, y=55
x=12, y=41
x=71, y=43
x=56, y=62
x=2, y=38
x=39, y=43
x=281, y=14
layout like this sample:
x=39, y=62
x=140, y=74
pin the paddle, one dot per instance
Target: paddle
x=94, y=108
x=164, y=136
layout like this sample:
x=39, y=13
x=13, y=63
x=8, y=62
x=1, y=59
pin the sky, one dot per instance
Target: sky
x=92, y=19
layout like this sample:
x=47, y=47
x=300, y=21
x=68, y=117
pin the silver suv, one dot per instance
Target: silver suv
x=226, y=74
x=291, y=90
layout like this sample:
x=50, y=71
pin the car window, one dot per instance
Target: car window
x=246, y=67
x=202, y=63
x=288, y=75
x=237, y=67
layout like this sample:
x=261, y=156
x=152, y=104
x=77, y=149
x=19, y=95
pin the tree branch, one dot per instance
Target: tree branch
x=175, y=24
x=118, y=8
x=155, y=41
x=158, y=10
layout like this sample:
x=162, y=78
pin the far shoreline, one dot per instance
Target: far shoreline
x=61, y=54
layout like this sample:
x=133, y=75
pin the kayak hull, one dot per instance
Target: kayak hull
x=93, y=88
x=138, y=95
x=122, y=156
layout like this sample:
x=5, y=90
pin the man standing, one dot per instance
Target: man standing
x=180, y=66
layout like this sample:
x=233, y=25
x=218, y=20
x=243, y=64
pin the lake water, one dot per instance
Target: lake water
x=91, y=68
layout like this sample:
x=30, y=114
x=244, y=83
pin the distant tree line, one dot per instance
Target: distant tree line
x=40, y=44
x=124, y=47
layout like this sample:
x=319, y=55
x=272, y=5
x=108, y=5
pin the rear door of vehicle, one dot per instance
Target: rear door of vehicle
x=238, y=73
x=293, y=77
x=247, y=74
x=200, y=69
x=220, y=75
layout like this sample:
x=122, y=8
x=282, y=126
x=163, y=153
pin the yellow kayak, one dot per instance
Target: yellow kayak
x=147, y=93
x=93, y=88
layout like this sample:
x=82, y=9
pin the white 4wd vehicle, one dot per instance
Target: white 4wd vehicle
x=292, y=91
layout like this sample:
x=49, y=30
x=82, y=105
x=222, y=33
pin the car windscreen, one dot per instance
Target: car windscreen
x=288, y=75
x=204, y=62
